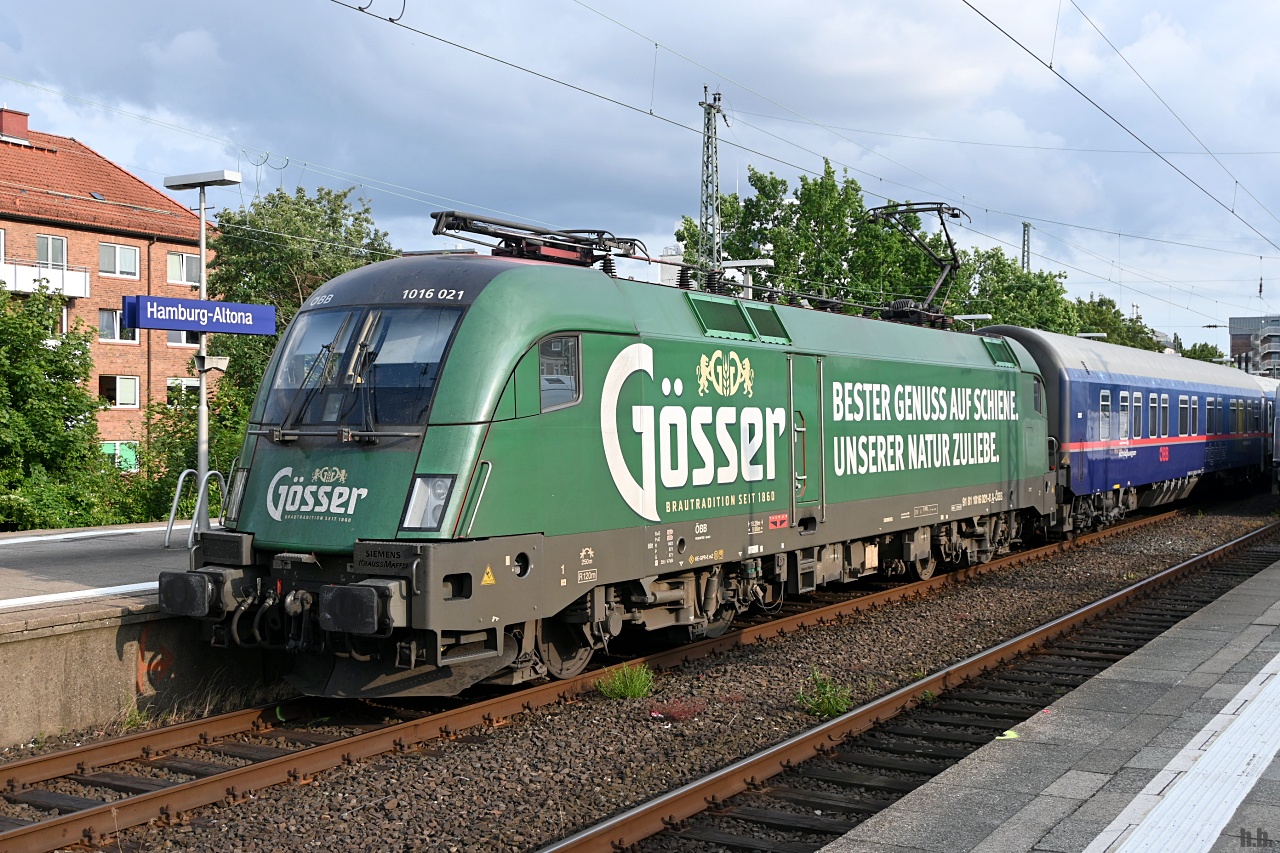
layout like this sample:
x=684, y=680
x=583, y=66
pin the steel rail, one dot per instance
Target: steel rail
x=652, y=817
x=28, y=771
x=96, y=824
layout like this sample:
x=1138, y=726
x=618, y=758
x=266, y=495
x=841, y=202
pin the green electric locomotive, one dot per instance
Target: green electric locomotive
x=467, y=468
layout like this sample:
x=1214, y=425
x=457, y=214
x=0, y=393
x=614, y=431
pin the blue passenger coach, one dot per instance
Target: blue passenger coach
x=1131, y=428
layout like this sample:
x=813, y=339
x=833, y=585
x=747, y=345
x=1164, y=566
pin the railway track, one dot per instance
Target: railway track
x=799, y=794
x=230, y=756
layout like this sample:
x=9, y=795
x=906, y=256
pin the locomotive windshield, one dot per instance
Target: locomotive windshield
x=358, y=367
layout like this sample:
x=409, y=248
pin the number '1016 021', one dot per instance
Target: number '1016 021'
x=432, y=293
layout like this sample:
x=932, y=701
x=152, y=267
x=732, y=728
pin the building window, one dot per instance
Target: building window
x=1, y=245
x=111, y=327
x=120, y=392
x=51, y=252
x=180, y=387
x=184, y=269
x=183, y=337
x=118, y=260
x=123, y=453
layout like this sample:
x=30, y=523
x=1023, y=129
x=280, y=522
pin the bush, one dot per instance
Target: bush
x=627, y=682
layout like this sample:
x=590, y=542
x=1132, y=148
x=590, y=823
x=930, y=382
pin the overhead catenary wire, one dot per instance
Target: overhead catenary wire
x=1165, y=104
x=410, y=193
x=1119, y=123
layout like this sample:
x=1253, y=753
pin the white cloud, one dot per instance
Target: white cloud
x=343, y=98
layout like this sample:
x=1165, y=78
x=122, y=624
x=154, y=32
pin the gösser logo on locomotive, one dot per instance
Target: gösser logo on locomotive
x=466, y=468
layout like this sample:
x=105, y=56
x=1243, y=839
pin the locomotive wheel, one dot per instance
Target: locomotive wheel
x=563, y=648
x=922, y=570
x=718, y=625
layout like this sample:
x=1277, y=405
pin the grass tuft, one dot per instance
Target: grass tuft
x=627, y=682
x=825, y=697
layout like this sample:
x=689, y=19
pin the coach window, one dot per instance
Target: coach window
x=1124, y=414
x=1137, y=415
x=1195, y=415
x=1104, y=415
x=1164, y=415
x=1184, y=417
x=1153, y=418
x=1223, y=423
x=558, y=372
x=1209, y=411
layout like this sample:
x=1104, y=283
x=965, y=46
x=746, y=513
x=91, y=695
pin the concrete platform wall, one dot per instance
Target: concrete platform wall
x=74, y=667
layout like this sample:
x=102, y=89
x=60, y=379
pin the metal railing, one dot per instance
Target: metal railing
x=200, y=517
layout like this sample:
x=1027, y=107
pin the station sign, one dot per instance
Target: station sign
x=197, y=315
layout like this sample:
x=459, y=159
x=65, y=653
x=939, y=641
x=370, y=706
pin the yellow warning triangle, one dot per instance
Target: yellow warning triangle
x=488, y=579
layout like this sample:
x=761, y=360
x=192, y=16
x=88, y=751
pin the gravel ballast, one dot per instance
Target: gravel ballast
x=548, y=773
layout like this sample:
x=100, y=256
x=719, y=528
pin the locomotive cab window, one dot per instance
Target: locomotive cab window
x=558, y=372
x=1104, y=415
x=358, y=367
x=1037, y=394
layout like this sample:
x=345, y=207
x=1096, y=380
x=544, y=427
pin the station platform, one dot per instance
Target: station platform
x=1172, y=750
x=39, y=563
x=82, y=638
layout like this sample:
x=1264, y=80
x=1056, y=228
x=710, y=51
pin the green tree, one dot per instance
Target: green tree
x=1101, y=314
x=52, y=470
x=1203, y=352
x=820, y=240
x=990, y=282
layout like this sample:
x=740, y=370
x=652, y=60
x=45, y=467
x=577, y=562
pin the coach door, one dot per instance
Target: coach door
x=808, y=492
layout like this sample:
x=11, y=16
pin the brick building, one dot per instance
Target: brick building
x=97, y=233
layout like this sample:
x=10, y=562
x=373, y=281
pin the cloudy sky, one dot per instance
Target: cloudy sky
x=585, y=114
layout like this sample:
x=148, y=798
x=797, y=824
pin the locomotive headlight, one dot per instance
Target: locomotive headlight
x=428, y=501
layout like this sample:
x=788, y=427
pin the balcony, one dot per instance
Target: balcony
x=23, y=276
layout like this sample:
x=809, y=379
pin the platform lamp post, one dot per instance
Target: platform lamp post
x=200, y=181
